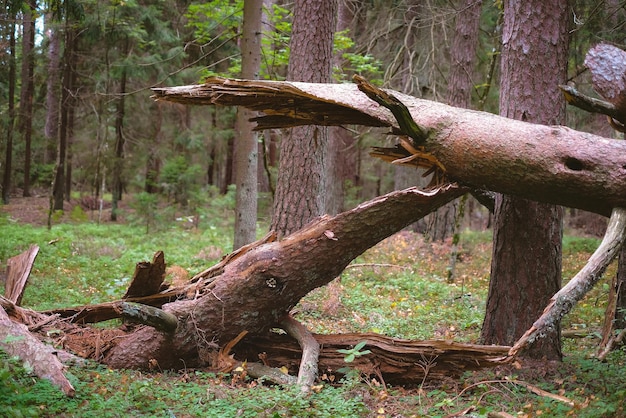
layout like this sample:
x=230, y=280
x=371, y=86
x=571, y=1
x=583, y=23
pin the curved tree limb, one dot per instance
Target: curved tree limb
x=310, y=351
x=563, y=301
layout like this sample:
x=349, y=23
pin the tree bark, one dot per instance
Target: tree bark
x=526, y=259
x=9, y=32
x=551, y=164
x=27, y=91
x=247, y=148
x=441, y=224
x=16, y=340
x=301, y=180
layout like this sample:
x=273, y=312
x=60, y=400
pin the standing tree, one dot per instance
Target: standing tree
x=246, y=152
x=9, y=34
x=301, y=180
x=526, y=263
x=441, y=223
x=28, y=88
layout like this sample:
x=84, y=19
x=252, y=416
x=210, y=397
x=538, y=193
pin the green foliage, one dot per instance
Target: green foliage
x=89, y=263
x=145, y=205
x=572, y=244
x=178, y=179
x=78, y=214
x=354, y=352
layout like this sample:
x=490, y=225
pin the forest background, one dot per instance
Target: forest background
x=94, y=64
x=76, y=79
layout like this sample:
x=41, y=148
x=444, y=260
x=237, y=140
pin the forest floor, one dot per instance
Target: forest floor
x=397, y=288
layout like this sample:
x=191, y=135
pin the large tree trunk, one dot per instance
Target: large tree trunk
x=552, y=164
x=302, y=174
x=9, y=32
x=257, y=288
x=526, y=260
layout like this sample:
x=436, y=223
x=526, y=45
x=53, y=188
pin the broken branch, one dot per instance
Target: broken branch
x=563, y=301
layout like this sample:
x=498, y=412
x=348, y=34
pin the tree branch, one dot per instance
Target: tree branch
x=310, y=351
x=565, y=299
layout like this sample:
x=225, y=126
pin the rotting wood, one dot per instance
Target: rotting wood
x=552, y=164
x=18, y=271
x=398, y=361
x=148, y=277
x=16, y=340
x=147, y=315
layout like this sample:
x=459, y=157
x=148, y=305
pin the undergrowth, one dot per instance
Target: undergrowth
x=397, y=288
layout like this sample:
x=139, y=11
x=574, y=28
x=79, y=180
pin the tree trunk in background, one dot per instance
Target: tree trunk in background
x=153, y=162
x=70, y=141
x=118, y=159
x=301, y=180
x=341, y=149
x=6, y=180
x=526, y=262
x=58, y=191
x=441, y=224
x=247, y=149
x=27, y=91
x=52, y=89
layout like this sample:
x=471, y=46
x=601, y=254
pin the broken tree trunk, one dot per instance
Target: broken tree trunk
x=16, y=340
x=552, y=164
x=255, y=290
x=18, y=271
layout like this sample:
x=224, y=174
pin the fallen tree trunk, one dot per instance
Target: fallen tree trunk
x=16, y=340
x=394, y=360
x=256, y=289
x=552, y=164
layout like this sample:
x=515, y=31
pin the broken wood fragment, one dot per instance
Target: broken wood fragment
x=308, y=370
x=147, y=315
x=16, y=340
x=148, y=277
x=18, y=271
x=398, y=361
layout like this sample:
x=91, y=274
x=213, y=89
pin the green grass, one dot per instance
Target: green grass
x=397, y=288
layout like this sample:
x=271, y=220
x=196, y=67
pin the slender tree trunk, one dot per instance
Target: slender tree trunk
x=526, y=262
x=118, y=163
x=247, y=149
x=461, y=81
x=6, y=181
x=70, y=142
x=51, y=129
x=27, y=92
x=66, y=102
x=302, y=172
